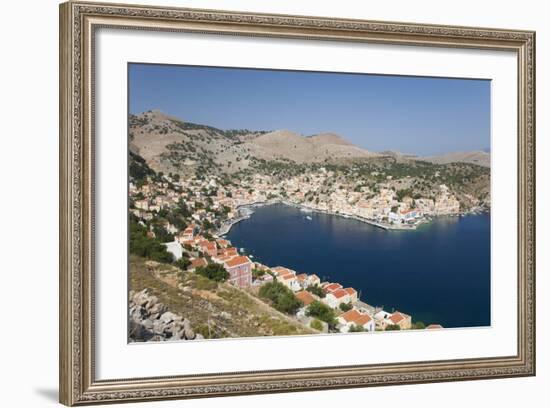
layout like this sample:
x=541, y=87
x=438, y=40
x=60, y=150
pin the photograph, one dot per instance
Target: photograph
x=270, y=201
x=267, y=202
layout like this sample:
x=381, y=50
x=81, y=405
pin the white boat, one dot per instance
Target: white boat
x=241, y=250
x=308, y=218
x=306, y=210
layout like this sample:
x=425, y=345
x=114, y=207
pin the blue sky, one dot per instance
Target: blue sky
x=416, y=115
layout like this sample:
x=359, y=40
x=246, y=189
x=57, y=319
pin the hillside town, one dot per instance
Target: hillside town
x=191, y=216
x=382, y=205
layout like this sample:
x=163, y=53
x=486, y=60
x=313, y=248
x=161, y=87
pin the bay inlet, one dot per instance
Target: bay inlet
x=439, y=273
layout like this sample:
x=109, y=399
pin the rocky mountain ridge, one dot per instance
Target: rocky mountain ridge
x=170, y=145
x=173, y=146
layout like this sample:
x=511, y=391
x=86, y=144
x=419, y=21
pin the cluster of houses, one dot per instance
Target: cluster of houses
x=409, y=211
x=336, y=295
x=219, y=251
x=378, y=204
x=240, y=269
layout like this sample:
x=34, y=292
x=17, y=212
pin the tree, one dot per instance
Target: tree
x=344, y=307
x=281, y=297
x=322, y=312
x=316, y=290
x=139, y=170
x=419, y=326
x=401, y=194
x=208, y=236
x=391, y=327
x=183, y=263
x=207, y=225
x=316, y=324
x=143, y=245
x=256, y=273
x=354, y=329
x=213, y=271
x=162, y=234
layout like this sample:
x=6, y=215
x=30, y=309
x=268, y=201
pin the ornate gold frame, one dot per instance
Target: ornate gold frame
x=78, y=22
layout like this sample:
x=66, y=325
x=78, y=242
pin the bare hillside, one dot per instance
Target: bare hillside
x=476, y=157
x=317, y=148
x=171, y=145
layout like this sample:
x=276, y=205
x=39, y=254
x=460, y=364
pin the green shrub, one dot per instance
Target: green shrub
x=282, y=298
x=146, y=247
x=419, y=326
x=316, y=324
x=215, y=272
x=183, y=263
x=203, y=283
x=344, y=307
x=316, y=290
x=321, y=312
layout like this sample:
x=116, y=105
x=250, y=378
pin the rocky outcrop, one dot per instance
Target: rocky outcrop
x=150, y=320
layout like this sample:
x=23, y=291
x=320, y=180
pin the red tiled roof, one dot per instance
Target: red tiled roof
x=339, y=293
x=396, y=317
x=224, y=258
x=223, y=242
x=208, y=244
x=354, y=316
x=331, y=287
x=231, y=250
x=236, y=261
x=305, y=297
x=281, y=270
x=228, y=251
x=363, y=319
x=350, y=291
x=351, y=315
x=198, y=262
x=434, y=326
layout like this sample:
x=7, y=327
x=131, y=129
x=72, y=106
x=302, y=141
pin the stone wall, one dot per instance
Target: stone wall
x=150, y=320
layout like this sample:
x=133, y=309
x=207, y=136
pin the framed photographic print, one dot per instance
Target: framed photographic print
x=256, y=203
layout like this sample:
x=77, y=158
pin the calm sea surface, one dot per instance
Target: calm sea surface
x=439, y=273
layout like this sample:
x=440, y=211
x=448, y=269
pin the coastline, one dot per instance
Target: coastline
x=226, y=227
x=366, y=269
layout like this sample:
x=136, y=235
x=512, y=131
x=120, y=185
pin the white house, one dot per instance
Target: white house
x=382, y=319
x=336, y=298
x=355, y=318
x=175, y=249
x=394, y=217
x=313, y=280
x=290, y=281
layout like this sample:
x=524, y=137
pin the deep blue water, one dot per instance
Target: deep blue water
x=439, y=273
